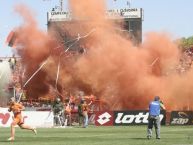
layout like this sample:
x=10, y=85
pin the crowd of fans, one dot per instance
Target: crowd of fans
x=184, y=64
x=186, y=61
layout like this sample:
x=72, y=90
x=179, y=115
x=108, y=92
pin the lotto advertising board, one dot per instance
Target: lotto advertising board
x=125, y=118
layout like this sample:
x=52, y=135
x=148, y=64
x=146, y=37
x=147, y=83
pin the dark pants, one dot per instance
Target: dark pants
x=80, y=119
x=153, y=121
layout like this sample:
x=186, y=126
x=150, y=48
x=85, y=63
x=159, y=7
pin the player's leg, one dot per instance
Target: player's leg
x=56, y=120
x=149, y=127
x=66, y=119
x=70, y=119
x=62, y=118
x=81, y=119
x=157, y=127
x=15, y=121
x=85, y=119
x=12, y=138
x=23, y=126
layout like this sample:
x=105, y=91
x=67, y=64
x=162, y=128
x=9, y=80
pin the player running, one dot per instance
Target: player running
x=16, y=108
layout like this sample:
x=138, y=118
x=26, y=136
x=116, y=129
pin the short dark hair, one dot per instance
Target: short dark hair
x=157, y=98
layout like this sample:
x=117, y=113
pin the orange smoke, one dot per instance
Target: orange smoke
x=121, y=74
x=94, y=10
x=34, y=47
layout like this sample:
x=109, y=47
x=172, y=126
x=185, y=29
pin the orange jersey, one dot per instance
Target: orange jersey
x=84, y=107
x=72, y=99
x=16, y=108
x=68, y=109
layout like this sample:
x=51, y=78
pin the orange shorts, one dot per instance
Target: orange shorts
x=17, y=120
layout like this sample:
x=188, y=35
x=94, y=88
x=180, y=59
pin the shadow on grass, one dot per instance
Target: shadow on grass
x=40, y=139
x=138, y=138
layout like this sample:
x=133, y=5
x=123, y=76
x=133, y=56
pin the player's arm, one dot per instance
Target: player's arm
x=61, y=107
x=10, y=109
x=162, y=105
x=90, y=103
x=21, y=107
x=53, y=106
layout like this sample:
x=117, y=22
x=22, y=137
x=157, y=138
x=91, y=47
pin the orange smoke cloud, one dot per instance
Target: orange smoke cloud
x=94, y=10
x=124, y=76
x=34, y=47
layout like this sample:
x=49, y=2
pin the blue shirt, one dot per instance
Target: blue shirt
x=154, y=108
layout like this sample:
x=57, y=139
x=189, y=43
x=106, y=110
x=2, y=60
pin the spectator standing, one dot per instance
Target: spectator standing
x=58, y=110
x=154, y=119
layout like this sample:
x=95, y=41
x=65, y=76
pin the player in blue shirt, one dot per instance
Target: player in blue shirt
x=154, y=119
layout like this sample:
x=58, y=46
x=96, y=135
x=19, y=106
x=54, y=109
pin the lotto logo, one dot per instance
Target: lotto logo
x=133, y=117
x=119, y=118
x=104, y=118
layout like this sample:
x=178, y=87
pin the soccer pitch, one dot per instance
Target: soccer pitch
x=128, y=135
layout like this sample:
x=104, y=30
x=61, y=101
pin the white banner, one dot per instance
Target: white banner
x=32, y=118
x=125, y=13
x=115, y=13
x=59, y=16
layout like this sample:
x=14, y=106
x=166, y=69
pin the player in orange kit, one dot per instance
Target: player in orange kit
x=16, y=108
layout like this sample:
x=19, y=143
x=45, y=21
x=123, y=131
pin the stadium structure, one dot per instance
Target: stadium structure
x=128, y=20
x=67, y=29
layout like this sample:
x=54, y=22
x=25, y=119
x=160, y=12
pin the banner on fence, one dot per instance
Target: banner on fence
x=181, y=118
x=120, y=118
x=32, y=118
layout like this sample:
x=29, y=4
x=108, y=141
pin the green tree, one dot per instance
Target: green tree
x=186, y=42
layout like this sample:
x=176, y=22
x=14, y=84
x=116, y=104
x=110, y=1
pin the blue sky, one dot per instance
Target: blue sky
x=172, y=16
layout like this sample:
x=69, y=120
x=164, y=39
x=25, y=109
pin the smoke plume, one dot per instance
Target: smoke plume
x=120, y=74
x=5, y=75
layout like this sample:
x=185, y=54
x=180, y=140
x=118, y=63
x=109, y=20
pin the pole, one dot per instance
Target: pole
x=57, y=75
x=129, y=3
x=61, y=5
x=35, y=73
x=154, y=62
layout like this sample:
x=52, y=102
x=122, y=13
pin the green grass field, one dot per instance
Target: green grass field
x=132, y=135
